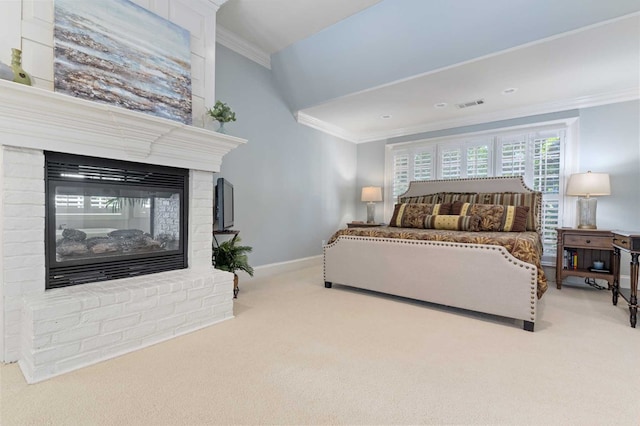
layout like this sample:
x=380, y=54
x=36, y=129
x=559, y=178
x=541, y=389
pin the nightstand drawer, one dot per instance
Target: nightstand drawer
x=622, y=241
x=588, y=241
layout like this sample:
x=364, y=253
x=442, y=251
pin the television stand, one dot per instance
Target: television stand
x=235, y=233
x=226, y=231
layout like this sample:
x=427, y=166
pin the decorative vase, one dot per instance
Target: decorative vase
x=19, y=74
x=221, y=129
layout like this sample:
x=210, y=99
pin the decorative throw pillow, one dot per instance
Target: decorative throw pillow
x=531, y=199
x=422, y=199
x=453, y=222
x=450, y=197
x=495, y=217
x=412, y=215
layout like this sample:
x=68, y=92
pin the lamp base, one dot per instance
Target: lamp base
x=587, y=213
x=587, y=227
x=371, y=212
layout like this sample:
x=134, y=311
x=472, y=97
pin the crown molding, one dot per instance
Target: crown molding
x=239, y=45
x=323, y=126
x=218, y=3
x=630, y=94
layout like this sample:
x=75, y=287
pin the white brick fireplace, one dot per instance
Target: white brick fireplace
x=54, y=331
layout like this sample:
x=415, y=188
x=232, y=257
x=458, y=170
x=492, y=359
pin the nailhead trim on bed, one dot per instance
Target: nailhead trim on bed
x=502, y=251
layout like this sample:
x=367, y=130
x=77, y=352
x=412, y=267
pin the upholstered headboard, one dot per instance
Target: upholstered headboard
x=496, y=185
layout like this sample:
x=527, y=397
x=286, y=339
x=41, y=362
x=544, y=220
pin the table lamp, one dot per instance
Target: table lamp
x=371, y=195
x=585, y=186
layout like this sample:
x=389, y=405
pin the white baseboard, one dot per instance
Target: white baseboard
x=282, y=267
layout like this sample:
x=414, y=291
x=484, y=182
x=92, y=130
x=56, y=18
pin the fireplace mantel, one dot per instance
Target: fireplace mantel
x=41, y=119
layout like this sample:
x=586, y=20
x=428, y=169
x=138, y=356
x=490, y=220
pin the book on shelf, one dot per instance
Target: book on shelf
x=570, y=259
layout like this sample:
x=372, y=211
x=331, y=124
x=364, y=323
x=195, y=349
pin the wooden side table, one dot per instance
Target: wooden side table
x=630, y=243
x=588, y=245
x=362, y=225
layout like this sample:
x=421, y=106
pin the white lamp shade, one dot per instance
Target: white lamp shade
x=589, y=184
x=371, y=193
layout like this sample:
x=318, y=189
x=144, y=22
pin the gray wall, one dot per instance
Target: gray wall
x=293, y=185
x=370, y=173
x=610, y=143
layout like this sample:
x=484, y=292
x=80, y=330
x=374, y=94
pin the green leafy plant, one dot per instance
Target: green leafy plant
x=231, y=257
x=222, y=112
x=116, y=204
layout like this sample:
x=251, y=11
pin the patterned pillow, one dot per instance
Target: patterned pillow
x=495, y=217
x=422, y=199
x=450, y=197
x=412, y=215
x=531, y=199
x=453, y=222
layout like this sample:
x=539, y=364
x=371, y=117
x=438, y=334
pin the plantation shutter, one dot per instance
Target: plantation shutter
x=74, y=201
x=450, y=163
x=99, y=202
x=478, y=161
x=423, y=165
x=534, y=155
x=400, y=174
x=546, y=178
x=513, y=156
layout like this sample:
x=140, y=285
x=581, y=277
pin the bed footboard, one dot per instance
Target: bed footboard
x=481, y=278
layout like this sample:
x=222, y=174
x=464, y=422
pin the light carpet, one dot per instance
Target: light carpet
x=297, y=353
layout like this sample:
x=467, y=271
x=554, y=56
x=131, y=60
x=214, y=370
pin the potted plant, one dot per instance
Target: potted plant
x=231, y=257
x=222, y=113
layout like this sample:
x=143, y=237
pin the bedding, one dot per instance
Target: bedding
x=506, y=198
x=525, y=246
x=494, y=217
x=412, y=215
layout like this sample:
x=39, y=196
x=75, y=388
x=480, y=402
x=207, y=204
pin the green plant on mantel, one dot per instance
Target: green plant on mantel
x=222, y=112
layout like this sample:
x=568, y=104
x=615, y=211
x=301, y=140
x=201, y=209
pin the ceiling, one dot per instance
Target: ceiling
x=273, y=25
x=591, y=65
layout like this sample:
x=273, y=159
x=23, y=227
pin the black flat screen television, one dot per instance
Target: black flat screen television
x=223, y=205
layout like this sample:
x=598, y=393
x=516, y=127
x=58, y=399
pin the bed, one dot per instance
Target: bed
x=452, y=251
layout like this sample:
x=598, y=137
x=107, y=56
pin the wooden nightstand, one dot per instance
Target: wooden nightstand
x=578, y=249
x=363, y=225
x=630, y=243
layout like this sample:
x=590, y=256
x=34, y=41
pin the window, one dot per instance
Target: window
x=412, y=164
x=450, y=163
x=535, y=155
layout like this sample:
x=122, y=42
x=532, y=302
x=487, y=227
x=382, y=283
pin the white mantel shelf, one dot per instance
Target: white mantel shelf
x=41, y=119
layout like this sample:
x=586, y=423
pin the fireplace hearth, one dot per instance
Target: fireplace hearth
x=110, y=219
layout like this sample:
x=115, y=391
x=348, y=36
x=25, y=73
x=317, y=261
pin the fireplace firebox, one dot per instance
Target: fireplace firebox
x=109, y=219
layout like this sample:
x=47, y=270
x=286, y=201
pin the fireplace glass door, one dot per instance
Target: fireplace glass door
x=97, y=222
x=108, y=219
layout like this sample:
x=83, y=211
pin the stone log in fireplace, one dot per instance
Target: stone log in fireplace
x=51, y=331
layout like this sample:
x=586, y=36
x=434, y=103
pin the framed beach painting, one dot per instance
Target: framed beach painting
x=118, y=53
